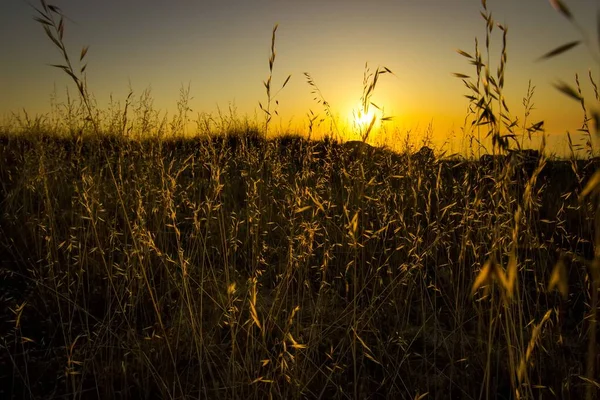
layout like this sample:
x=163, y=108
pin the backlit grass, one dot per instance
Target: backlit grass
x=139, y=263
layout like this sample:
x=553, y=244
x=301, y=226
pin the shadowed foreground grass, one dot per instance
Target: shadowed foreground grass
x=230, y=266
x=236, y=267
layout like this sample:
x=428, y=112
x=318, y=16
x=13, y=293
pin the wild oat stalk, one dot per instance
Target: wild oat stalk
x=357, y=274
x=370, y=80
x=491, y=113
x=486, y=98
x=267, y=109
x=48, y=15
x=320, y=100
x=55, y=32
x=369, y=83
x=593, y=186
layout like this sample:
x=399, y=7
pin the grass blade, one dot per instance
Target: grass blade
x=568, y=90
x=461, y=76
x=84, y=51
x=592, y=185
x=559, y=50
x=55, y=9
x=286, y=81
x=561, y=8
x=464, y=54
x=43, y=21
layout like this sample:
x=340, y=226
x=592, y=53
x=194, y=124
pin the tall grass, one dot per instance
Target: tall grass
x=593, y=272
x=141, y=264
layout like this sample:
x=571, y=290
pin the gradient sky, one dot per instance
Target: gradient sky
x=221, y=49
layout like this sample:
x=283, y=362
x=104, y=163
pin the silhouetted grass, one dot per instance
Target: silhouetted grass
x=138, y=262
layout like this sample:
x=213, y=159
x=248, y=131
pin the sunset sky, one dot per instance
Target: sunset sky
x=221, y=49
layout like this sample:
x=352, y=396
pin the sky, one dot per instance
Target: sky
x=221, y=48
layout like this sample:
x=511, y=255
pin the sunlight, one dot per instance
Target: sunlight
x=359, y=121
x=363, y=119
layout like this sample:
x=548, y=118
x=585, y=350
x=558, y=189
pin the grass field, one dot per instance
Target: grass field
x=137, y=263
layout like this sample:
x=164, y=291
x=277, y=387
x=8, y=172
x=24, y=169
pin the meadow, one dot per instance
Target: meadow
x=138, y=262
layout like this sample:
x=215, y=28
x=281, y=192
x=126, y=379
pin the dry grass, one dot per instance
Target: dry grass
x=141, y=264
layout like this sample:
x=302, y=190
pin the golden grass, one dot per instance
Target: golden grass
x=138, y=263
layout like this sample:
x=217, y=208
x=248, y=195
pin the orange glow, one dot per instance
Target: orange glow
x=364, y=119
x=359, y=121
x=224, y=60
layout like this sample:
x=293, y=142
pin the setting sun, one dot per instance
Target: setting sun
x=364, y=119
x=360, y=121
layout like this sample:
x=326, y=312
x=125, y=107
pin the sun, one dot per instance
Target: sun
x=359, y=119
x=363, y=123
x=363, y=119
